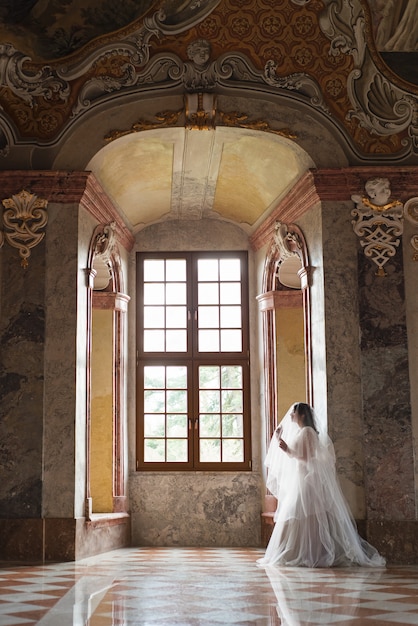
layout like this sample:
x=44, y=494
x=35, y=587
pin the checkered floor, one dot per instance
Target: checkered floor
x=203, y=587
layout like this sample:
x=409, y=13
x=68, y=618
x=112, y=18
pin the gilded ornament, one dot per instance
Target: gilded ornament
x=24, y=217
x=378, y=222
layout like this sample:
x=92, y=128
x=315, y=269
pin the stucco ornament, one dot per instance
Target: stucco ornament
x=103, y=251
x=289, y=242
x=286, y=241
x=24, y=219
x=378, y=104
x=378, y=223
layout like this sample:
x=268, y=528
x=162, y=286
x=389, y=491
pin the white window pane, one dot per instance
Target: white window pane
x=177, y=376
x=232, y=401
x=230, y=269
x=154, y=450
x=231, y=317
x=153, y=317
x=153, y=270
x=232, y=450
x=207, y=269
x=230, y=293
x=209, y=377
x=175, y=270
x=177, y=400
x=231, y=341
x=154, y=377
x=154, y=425
x=208, y=341
x=154, y=401
x=209, y=401
x=154, y=341
x=175, y=293
x=232, y=425
x=176, y=426
x=208, y=316
x=208, y=293
x=176, y=317
x=176, y=341
x=177, y=450
x=231, y=376
x=210, y=450
x=154, y=293
x=210, y=425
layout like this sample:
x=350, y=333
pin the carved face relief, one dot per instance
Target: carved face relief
x=378, y=190
x=198, y=52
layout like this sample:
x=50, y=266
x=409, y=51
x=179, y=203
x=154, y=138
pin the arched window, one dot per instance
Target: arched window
x=285, y=305
x=105, y=436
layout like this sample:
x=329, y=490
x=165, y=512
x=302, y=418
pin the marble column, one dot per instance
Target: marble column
x=43, y=374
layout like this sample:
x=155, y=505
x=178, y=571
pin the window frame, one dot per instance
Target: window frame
x=193, y=360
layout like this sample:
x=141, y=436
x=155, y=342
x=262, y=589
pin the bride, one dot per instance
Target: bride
x=313, y=524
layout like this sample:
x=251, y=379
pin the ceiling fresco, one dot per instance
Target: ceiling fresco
x=50, y=29
x=394, y=25
x=135, y=81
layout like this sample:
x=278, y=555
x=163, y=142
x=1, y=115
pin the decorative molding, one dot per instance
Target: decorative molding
x=289, y=242
x=380, y=106
x=272, y=300
x=241, y=120
x=24, y=219
x=411, y=210
x=26, y=84
x=378, y=222
x=64, y=187
x=164, y=119
x=200, y=113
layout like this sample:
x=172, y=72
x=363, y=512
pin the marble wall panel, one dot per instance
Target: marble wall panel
x=195, y=509
x=410, y=263
x=386, y=392
x=345, y=424
x=60, y=360
x=22, y=331
x=21, y=540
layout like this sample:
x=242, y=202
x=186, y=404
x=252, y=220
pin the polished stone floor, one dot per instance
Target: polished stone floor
x=202, y=587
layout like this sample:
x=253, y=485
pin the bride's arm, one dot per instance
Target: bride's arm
x=306, y=448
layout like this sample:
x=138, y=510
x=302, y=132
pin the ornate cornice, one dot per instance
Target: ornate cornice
x=333, y=185
x=317, y=51
x=69, y=187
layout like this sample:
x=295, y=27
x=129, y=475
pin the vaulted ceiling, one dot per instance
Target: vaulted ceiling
x=204, y=108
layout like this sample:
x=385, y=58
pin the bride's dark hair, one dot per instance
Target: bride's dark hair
x=305, y=411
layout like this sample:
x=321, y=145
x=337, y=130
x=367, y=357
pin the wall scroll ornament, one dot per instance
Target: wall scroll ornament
x=24, y=219
x=378, y=222
x=411, y=214
x=289, y=244
x=380, y=106
x=102, y=254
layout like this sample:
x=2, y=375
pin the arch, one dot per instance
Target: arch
x=288, y=243
x=107, y=305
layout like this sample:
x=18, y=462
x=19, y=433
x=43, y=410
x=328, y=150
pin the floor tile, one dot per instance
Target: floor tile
x=203, y=587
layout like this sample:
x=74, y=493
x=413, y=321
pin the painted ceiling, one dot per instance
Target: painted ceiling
x=353, y=63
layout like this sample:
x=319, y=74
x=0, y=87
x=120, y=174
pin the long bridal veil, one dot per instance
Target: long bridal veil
x=313, y=523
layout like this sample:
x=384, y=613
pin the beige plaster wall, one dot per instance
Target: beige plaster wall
x=101, y=474
x=291, y=385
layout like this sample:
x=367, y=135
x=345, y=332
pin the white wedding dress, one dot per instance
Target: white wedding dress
x=313, y=523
